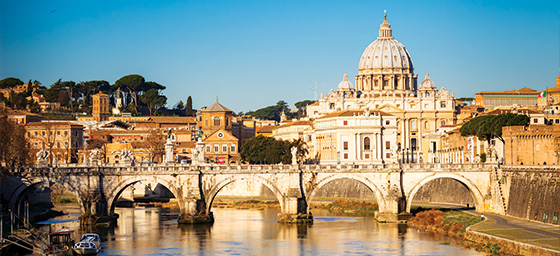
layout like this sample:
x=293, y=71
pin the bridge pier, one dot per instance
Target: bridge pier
x=295, y=211
x=194, y=212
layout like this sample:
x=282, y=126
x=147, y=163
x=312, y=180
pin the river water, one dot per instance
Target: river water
x=154, y=231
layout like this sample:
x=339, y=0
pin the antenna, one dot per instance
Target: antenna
x=315, y=89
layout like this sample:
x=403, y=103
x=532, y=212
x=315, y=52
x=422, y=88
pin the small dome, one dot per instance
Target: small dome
x=345, y=84
x=427, y=83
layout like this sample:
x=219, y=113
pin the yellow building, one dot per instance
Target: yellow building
x=214, y=118
x=100, y=109
x=524, y=97
x=61, y=139
x=221, y=147
x=532, y=145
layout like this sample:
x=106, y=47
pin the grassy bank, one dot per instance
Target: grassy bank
x=454, y=223
x=349, y=206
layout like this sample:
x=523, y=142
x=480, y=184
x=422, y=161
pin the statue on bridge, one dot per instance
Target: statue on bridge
x=42, y=156
x=126, y=156
x=294, y=155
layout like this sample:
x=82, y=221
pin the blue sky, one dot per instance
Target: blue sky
x=253, y=53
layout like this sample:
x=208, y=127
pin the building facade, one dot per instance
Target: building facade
x=100, y=107
x=355, y=136
x=61, y=139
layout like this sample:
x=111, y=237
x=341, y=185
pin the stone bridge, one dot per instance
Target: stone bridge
x=98, y=188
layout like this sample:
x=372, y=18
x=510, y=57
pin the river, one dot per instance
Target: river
x=154, y=231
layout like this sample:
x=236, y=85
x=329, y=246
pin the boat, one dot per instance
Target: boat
x=90, y=244
x=60, y=243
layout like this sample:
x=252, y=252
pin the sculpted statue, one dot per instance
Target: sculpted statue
x=294, y=153
x=126, y=154
x=93, y=155
x=42, y=155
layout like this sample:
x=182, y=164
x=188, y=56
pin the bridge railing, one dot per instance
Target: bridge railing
x=247, y=168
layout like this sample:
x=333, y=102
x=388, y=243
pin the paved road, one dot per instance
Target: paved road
x=525, y=231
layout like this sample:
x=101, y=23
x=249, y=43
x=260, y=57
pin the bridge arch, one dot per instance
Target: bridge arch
x=28, y=184
x=376, y=191
x=475, y=192
x=116, y=191
x=215, y=189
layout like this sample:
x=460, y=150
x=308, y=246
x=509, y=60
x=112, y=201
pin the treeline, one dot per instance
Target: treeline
x=274, y=112
x=268, y=150
x=138, y=95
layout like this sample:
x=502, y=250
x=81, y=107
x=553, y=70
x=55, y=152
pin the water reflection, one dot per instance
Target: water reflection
x=154, y=231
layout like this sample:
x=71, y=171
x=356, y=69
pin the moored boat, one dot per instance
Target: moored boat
x=60, y=243
x=90, y=244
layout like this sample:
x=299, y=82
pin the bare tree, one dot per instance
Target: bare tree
x=156, y=144
x=14, y=147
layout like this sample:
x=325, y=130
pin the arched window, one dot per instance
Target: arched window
x=443, y=123
x=216, y=121
x=413, y=125
x=366, y=143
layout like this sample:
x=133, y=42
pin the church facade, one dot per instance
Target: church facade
x=386, y=82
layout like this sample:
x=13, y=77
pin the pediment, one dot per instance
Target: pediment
x=388, y=108
x=220, y=135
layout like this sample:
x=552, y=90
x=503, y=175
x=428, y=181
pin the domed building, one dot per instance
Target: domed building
x=386, y=82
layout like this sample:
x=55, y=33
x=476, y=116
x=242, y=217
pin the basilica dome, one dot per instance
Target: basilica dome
x=386, y=52
x=345, y=84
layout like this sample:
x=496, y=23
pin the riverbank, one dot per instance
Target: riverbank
x=459, y=224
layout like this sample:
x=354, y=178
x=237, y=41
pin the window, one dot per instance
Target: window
x=545, y=217
x=443, y=123
x=387, y=145
x=345, y=145
x=65, y=133
x=366, y=144
x=66, y=144
x=224, y=148
x=35, y=145
x=216, y=148
x=216, y=121
x=58, y=144
x=555, y=218
x=36, y=134
x=232, y=149
x=427, y=94
x=413, y=125
x=207, y=148
x=345, y=122
x=345, y=155
x=367, y=156
x=388, y=155
x=442, y=104
x=331, y=106
x=387, y=122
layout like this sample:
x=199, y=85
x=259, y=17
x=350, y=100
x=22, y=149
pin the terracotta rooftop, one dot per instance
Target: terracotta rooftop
x=266, y=129
x=217, y=107
x=296, y=123
x=173, y=119
x=43, y=124
x=522, y=91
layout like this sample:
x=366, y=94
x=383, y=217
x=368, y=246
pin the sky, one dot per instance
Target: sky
x=251, y=54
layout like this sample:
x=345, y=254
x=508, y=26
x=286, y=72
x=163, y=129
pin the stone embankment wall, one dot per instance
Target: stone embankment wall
x=445, y=190
x=520, y=248
x=534, y=193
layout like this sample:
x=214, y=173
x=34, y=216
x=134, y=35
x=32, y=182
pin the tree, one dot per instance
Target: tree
x=10, y=82
x=153, y=100
x=266, y=150
x=14, y=147
x=273, y=112
x=188, y=107
x=180, y=105
x=488, y=127
x=131, y=84
x=156, y=144
x=302, y=107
